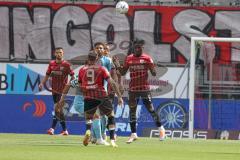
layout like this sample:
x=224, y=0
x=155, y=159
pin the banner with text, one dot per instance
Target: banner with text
x=32, y=30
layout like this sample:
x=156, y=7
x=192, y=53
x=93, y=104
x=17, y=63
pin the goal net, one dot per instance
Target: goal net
x=214, y=84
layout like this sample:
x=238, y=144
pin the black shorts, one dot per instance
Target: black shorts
x=56, y=97
x=135, y=96
x=104, y=105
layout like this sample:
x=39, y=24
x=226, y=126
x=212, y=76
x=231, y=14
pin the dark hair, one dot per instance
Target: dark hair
x=57, y=48
x=99, y=43
x=137, y=41
x=92, y=56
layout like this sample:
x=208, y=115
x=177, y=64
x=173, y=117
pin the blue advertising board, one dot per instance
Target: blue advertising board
x=32, y=114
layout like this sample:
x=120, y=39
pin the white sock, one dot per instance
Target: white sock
x=99, y=139
x=135, y=134
x=161, y=128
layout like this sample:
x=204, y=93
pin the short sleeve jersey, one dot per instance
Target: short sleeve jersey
x=59, y=73
x=138, y=67
x=91, y=79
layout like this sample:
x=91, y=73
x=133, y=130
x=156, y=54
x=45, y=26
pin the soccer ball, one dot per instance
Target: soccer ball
x=122, y=7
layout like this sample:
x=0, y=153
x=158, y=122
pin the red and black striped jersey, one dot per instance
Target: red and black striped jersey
x=59, y=73
x=91, y=79
x=138, y=67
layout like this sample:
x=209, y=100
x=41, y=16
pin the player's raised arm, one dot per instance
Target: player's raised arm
x=122, y=69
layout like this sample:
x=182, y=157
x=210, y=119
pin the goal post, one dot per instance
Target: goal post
x=193, y=53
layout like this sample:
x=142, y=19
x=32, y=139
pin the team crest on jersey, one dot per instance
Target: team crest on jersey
x=142, y=61
x=61, y=68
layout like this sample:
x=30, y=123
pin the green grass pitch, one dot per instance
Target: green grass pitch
x=45, y=147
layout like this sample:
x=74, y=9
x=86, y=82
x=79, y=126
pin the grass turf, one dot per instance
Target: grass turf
x=45, y=147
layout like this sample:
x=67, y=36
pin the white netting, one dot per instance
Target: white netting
x=216, y=86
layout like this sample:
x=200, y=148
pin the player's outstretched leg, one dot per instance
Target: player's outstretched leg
x=111, y=125
x=93, y=137
x=104, y=127
x=133, y=121
x=87, y=133
x=98, y=133
x=158, y=124
x=156, y=118
x=86, y=137
x=96, y=128
x=161, y=133
x=54, y=123
x=64, y=128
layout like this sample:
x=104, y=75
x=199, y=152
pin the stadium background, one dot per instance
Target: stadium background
x=31, y=29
